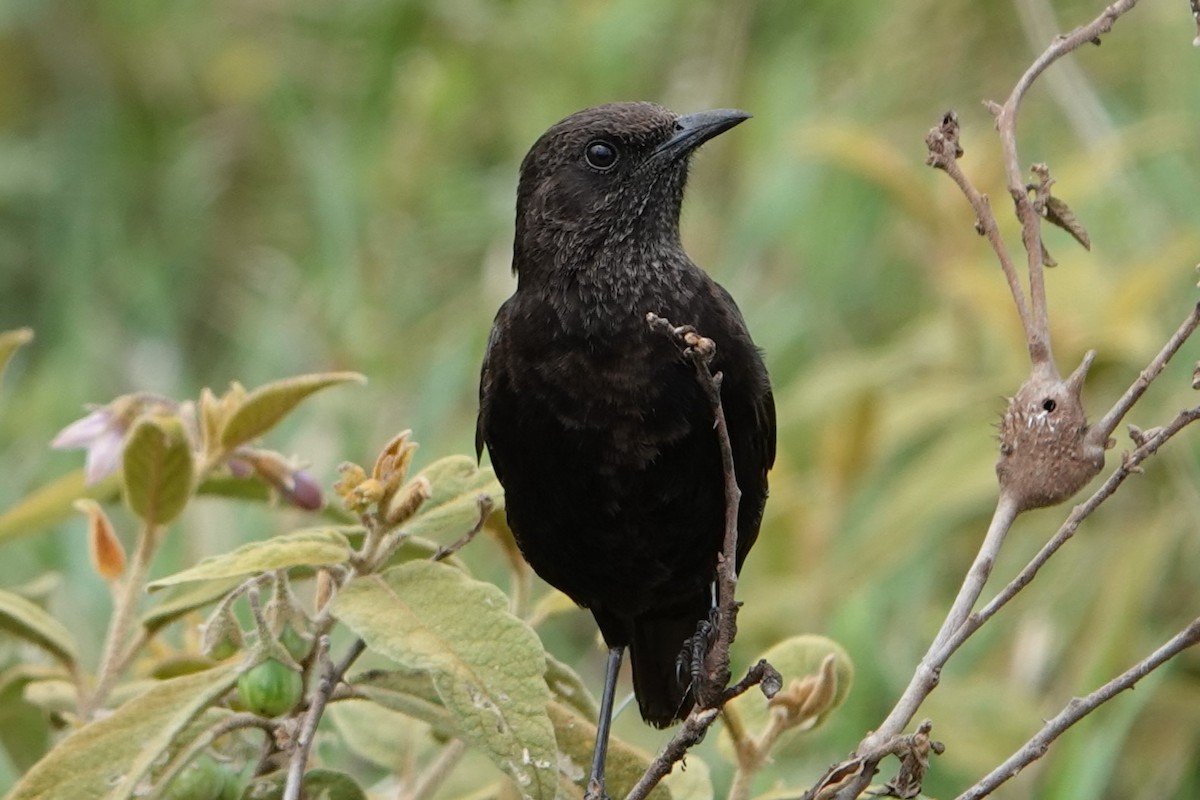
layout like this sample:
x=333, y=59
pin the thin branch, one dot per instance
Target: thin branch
x=928, y=672
x=925, y=678
x=1130, y=464
x=1030, y=217
x=1078, y=708
x=485, y=504
x=434, y=775
x=202, y=742
x=689, y=734
x=713, y=691
x=1105, y=427
x=700, y=350
x=331, y=676
x=944, y=152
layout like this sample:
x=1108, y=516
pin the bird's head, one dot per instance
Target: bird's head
x=605, y=179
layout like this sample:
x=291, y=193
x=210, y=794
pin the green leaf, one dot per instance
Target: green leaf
x=10, y=342
x=411, y=693
x=312, y=547
x=28, y=621
x=158, y=469
x=452, y=508
x=576, y=736
x=796, y=658
x=184, y=600
x=111, y=757
x=267, y=405
x=390, y=739
x=485, y=664
x=24, y=728
x=53, y=503
x=569, y=688
x=318, y=784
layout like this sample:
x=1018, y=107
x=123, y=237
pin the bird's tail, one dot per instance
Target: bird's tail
x=662, y=687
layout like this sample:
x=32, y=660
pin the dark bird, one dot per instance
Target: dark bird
x=596, y=425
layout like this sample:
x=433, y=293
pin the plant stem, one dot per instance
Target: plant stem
x=126, y=598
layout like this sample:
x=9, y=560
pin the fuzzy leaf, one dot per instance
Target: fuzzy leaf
x=158, y=469
x=318, y=784
x=32, y=623
x=485, y=664
x=10, y=342
x=185, y=599
x=452, y=508
x=312, y=547
x=264, y=408
x=24, y=728
x=576, y=736
x=111, y=757
x=52, y=503
x=569, y=689
x=388, y=738
x=1058, y=213
x=411, y=693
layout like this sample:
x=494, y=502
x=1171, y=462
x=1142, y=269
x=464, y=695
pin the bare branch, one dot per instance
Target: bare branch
x=1130, y=464
x=331, y=676
x=925, y=678
x=485, y=504
x=711, y=692
x=944, y=152
x=1006, y=124
x=1079, y=708
x=1105, y=427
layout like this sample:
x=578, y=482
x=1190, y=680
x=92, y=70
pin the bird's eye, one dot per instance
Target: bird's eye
x=600, y=155
x=1048, y=404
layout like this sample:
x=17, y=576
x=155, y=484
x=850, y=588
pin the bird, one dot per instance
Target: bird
x=596, y=426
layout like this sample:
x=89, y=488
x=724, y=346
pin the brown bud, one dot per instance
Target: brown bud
x=409, y=499
x=108, y=556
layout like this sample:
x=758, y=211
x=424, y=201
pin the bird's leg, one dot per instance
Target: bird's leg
x=595, y=784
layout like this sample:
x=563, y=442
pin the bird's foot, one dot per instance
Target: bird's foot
x=689, y=664
x=595, y=789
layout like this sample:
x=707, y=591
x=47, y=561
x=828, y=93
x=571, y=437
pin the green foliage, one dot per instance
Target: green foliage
x=157, y=470
x=486, y=665
x=192, y=192
x=265, y=407
x=23, y=618
x=316, y=547
x=110, y=757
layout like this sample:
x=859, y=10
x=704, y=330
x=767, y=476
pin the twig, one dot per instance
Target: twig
x=485, y=505
x=1130, y=464
x=331, y=676
x=200, y=743
x=1078, y=708
x=432, y=778
x=928, y=672
x=690, y=733
x=944, y=152
x=713, y=691
x=700, y=350
x=1105, y=427
x=1006, y=125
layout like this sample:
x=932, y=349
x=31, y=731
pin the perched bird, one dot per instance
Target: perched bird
x=596, y=425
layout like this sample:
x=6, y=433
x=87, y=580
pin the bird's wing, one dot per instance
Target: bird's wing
x=486, y=378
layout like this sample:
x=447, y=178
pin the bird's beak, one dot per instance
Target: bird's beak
x=693, y=130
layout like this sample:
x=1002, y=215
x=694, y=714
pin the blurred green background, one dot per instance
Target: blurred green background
x=192, y=193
